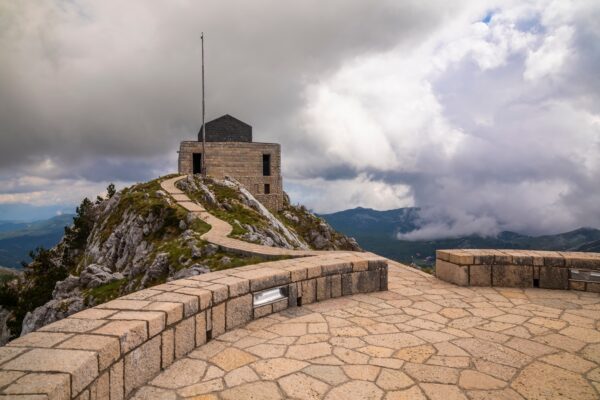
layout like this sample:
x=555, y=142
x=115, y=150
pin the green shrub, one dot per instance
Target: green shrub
x=105, y=293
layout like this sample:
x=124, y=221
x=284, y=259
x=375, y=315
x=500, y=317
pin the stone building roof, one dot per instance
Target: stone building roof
x=227, y=129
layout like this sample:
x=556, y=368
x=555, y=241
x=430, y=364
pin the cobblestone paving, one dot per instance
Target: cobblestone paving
x=422, y=339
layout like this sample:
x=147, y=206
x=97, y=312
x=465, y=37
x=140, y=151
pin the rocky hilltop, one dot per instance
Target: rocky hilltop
x=138, y=237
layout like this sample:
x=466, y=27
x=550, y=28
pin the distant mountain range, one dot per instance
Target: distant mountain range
x=17, y=239
x=376, y=231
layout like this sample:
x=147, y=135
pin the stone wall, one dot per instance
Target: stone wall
x=519, y=268
x=242, y=161
x=109, y=351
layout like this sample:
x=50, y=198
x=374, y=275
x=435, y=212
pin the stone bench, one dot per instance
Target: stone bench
x=108, y=351
x=520, y=268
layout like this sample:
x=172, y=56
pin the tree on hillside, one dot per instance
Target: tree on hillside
x=110, y=190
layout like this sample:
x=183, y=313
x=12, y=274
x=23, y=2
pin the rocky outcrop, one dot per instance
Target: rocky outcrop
x=5, y=335
x=95, y=275
x=125, y=249
x=195, y=269
x=289, y=239
x=52, y=311
x=158, y=268
x=139, y=238
x=314, y=230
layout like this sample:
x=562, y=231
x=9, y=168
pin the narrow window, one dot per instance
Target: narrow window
x=267, y=188
x=197, y=163
x=266, y=165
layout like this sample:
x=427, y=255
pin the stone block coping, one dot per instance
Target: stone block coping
x=520, y=268
x=108, y=351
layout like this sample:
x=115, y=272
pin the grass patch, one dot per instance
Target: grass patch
x=223, y=192
x=240, y=261
x=105, y=293
x=239, y=214
x=175, y=249
x=199, y=226
x=144, y=200
x=7, y=277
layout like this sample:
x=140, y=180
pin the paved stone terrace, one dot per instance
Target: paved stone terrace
x=423, y=339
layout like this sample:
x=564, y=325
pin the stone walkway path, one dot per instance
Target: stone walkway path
x=422, y=339
x=220, y=229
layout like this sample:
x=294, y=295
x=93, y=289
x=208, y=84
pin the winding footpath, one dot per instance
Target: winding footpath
x=220, y=230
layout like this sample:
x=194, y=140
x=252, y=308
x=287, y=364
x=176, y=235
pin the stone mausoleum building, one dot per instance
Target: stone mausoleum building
x=230, y=151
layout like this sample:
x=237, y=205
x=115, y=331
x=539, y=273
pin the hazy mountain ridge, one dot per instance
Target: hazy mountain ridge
x=376, y=231
x=17, y=239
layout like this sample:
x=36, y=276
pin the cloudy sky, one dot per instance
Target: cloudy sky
x=484, y=113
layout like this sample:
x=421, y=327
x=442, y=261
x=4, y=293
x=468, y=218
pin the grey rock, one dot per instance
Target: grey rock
x=196, y=251
x=188, y=235
x=247, y=227
x=195, y=269
x=208, y=196
x=182, y=225
x=258, y=237
x=225, y=261
x=64, y=289
x=291, y=217
x=5, y=316
x=210, y=249
x=158, y=269
x=183, y=260
x=95, y=275
x=320, y=242
x=190, y=219
x=50, y=312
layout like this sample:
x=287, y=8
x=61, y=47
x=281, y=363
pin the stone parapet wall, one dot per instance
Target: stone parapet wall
x=109, y=351
x=519, y=268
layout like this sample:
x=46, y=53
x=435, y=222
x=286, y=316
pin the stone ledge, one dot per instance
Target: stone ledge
x=517, y=268
x=109, y=351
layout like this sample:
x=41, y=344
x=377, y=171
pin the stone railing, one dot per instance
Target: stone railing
x=520, y=268
x=108, y=351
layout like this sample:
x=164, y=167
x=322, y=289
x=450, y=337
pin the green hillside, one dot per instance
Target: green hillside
x=17, y=239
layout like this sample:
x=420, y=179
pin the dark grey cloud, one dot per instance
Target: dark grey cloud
x=486, y=126
x=83, y=80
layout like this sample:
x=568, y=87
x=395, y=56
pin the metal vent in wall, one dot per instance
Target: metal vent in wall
x=585, y=275
x=270, y=296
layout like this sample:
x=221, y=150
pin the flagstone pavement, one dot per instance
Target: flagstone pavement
x=422, y=339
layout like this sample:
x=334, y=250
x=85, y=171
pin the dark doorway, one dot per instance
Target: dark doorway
x=197, y=161
x=266, y=165
x=267, y=188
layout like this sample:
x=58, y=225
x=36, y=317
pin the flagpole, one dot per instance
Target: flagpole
x=203, y=166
